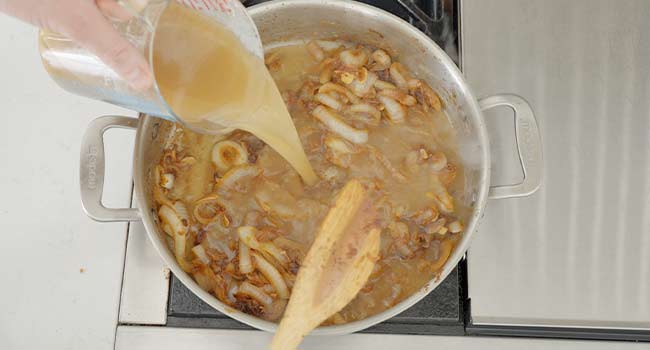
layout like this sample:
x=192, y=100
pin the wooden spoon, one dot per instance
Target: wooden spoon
x=337, y=265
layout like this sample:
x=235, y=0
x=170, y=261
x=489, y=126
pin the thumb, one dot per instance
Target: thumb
x=91, y=29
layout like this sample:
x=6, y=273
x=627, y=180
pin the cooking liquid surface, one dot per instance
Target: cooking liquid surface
x=402, y=162
x=213, y=83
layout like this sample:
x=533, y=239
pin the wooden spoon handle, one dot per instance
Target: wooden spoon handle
x=336, y=267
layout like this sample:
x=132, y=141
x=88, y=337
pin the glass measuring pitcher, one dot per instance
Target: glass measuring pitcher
x=77, y=70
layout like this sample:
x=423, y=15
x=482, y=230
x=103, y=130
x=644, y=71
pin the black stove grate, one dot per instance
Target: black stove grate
x=442, y=311
x=436, y=18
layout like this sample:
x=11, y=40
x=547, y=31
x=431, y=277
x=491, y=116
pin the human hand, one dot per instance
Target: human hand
x=86, y=22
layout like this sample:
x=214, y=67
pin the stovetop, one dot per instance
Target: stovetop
x=436, y=18
x=442, y=311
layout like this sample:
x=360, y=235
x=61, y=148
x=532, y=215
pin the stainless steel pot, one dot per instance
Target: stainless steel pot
x=283, y=21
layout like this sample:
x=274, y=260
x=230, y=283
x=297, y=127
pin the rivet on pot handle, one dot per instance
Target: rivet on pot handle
x=529, y=145
x=92, y=166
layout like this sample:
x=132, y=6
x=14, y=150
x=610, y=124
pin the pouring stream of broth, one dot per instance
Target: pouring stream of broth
x=213, y=83
x=336, y=267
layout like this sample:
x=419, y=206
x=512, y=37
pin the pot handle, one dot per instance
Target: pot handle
x=529, y=146
x=91, y=172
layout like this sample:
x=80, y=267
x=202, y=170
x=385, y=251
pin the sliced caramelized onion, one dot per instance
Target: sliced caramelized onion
x=170, y=217
x=383, y=85
x=286, y=243
x=339, y=145
x=236, y=178
x=448, y=174
x=275, y=310
x=256, y=293
x=329, y=45
x=381, y=60
x=403, y=249
x=180, y=243
x=187, y=162
x=181, y=211
x=168, y=230
x=354, y=58
x=278, y=254
x=399, y=75
x=252, y=218
x=399, y=230
x=334, y=122
x=400, y=233
x=339, y=89
x=399, y=96
x=164, y=180
x=272, y=275
x=347, y=77
x=438, y=161
x=362, y=88
x=426, y=216
x=455, y=227
x=385, y=162
x=247, y=234
x=180, y=246
x=228, y=154
x=325, y=75
x=329, y=101
x=207, y=209
x=443, y=199
x=200, y=253
x=306, y=91
x=159, y=194
x=333, y=174
x=434, y=227
x=366, y=108
x=395, y=111
x=245, y=263
x=329, y=62
x=231, y=293
x=412, y=161
x=173, y=137
x=167, y=181
x=336, y=319
x=339, y=151
x=219, y=243
x=316, y=51
x=446, y=247
x=363, y=74
x=427, y=96
x=181, y=235
x=206, y=278
x=366, y=113
x=276, y=201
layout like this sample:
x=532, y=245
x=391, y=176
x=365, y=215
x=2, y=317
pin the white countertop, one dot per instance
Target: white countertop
x=47, y=240
x=166, y=338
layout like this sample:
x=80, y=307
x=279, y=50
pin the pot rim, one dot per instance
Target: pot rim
x=452, y=262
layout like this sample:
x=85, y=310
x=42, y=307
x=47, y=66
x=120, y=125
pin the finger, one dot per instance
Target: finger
x=90, y=29
x=134, y=6
x=113, y=10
